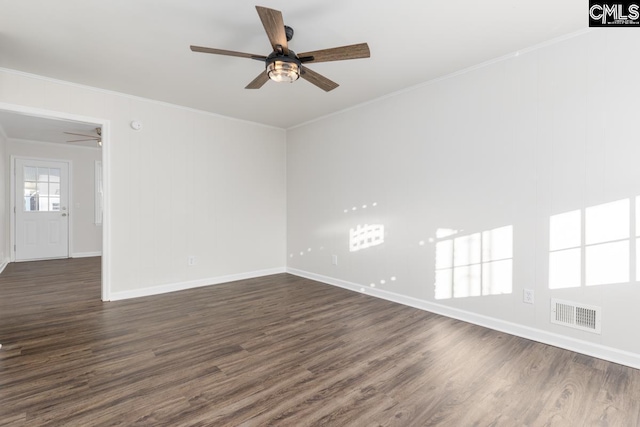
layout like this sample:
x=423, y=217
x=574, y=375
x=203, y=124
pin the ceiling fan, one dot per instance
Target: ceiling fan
x=283, y=64
x=97, y=138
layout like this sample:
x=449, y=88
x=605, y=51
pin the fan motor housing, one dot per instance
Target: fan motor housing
x=289, y=32
x=275, y=56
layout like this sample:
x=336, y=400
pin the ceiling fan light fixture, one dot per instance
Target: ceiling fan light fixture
x=283, y=65
x=283, y=69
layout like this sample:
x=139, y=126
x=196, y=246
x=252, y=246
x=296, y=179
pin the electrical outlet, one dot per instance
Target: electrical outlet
x=334, y=259
x=191, y=260
x=527, y=296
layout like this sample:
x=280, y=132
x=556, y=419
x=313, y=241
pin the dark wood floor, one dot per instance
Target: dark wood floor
x=279, y=350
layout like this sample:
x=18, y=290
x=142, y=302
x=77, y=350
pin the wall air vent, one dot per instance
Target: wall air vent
x=575, y=315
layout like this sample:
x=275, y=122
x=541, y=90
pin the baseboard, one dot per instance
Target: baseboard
x=596, y=350
x=181, y=286
x=3, y=264
x=85, y=254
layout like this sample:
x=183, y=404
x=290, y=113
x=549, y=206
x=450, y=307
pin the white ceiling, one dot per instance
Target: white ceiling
x=31, y=128
x=142, y=47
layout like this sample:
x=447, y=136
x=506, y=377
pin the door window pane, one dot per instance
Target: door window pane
x=30, y=196
x=30, y=173
x=43, y=204
x=29, y=188
x=31, y=203
x=43, y=174
x=41, y=190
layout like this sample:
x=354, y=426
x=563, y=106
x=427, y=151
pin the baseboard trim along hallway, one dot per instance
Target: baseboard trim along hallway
x=181, y=286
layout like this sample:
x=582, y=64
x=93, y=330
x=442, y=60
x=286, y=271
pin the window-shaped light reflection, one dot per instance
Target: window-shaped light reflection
x=497, y=277
x=444, y=284
x=565, y=258
x=607, y=263
x=445, y=232
x=564, y=231
x=497, y=244
x=467, y=281
x=365, y=236
x=638, y=216
x=607, y=222
x=604, y=242
x=474, y=265
x=637, y=240
x=467, y=250
x=564, y=268
x=497, y=254
x=444, y=254
x=637, y=259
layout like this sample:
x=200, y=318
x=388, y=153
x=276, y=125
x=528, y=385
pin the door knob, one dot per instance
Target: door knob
x=64, y=214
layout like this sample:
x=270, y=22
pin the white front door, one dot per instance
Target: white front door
x=42, y=214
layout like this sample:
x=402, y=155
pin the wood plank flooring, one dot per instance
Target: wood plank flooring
x=279, y=350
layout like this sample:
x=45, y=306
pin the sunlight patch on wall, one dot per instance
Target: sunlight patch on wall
x=383, y=281
x=591, y=246
x=441, y=233
x=365, y=236
x=364, y=206
x=474, y=265
x=304, y=252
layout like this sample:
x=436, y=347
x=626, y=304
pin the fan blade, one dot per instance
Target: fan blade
x=259, y=81
x=227, y=52
x=274, y=26
x=353, y=51
x=81, y=134
x=318, y=79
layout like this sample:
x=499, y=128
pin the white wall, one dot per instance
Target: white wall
x=187, y=184
x=511, y=143
x=86, y=235
x=4, y=236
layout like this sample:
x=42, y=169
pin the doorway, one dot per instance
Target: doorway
x=23, y=116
